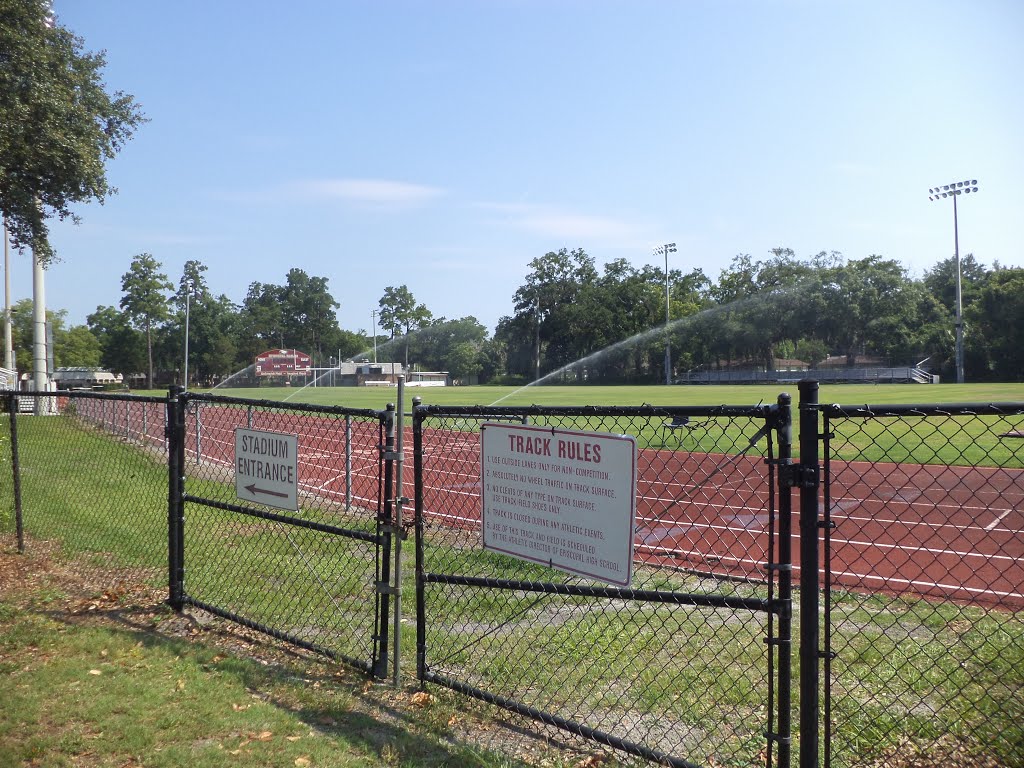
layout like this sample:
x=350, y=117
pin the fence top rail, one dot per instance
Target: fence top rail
x=87, y=395
x=333, y=410
x=490, y=411
x=867, y=411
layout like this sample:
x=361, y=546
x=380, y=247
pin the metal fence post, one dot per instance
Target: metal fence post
x=199, y=433
x=384, y=526
x=399, y=531
x=348, y=463
x=810, y=700
x=784, y=731
x=417, y=460
x=12, y=409
x=175, y=492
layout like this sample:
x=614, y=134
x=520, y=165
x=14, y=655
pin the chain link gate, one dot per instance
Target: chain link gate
x=688, y=665
x=316, y=576
x=921, y=533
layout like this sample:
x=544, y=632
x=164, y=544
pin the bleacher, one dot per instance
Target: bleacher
x=899, y=375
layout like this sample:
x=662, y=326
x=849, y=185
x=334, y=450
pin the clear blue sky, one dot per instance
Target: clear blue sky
x=443, y=145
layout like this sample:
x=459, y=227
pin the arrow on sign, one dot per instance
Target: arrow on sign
x=254, y=490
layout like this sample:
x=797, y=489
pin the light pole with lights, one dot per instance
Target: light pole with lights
x=665, y=250
x=188, y=296
x=373, y=319
x=954, y=190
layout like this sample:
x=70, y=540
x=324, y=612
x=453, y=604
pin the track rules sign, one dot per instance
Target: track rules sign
x=563, y=498
x=266, y=468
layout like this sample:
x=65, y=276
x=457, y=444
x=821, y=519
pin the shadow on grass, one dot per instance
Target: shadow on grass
x=331, y=699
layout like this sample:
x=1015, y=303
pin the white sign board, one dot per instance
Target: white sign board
x=266, y=468
x=563, y=498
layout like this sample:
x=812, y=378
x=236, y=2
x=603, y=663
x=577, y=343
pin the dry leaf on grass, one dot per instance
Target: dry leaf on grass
x=421, y=699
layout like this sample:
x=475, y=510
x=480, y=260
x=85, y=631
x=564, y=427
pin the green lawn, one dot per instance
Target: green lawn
x=875, y=394
x=956, y=440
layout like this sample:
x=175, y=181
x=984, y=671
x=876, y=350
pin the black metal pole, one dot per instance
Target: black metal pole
x=12, y=409
x=785, y=567
x=958, y=300
x=809, y=591
x=421, y=606
x=175, y=502
x=385, y=521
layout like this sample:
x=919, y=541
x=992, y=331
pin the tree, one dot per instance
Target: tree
x=144, y=300
x=940, y=280
x=308, y=312
x=997, y=326
x=76, y=347
x=552, y=287
x=122, y=348
x=22, y=335
x=192, y=284
x=451, y=345
x=70, y=346
x=262, y=319
x=59, y=123
x=213, y=333
x=211, y=326
x=399, y=313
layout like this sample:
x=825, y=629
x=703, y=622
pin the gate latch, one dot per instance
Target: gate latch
x=800, y=476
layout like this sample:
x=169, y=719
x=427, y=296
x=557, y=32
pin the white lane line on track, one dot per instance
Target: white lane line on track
x=836, y=575
x=929, y=550
x=931, y=584
x=999, y=519
x=991, y=527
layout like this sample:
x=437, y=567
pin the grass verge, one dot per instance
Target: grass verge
x=107, y=677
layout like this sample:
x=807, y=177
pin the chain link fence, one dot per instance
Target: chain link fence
x=683, y=666
x=85, y=482
x=912, y=517
x=923, y=572
x=309, y=574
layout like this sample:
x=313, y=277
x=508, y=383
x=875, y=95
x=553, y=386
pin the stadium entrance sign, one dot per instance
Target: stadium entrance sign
x=266, y=468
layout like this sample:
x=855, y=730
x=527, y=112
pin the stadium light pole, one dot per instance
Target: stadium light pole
x=8, y=344
x=373, y=319
x=665, y=250
x=954, y=190
x=188, y=297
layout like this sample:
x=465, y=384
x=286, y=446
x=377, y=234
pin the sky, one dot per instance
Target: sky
x=443, y=145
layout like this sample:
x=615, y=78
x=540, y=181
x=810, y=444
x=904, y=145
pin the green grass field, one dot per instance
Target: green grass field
x=957, y=440
x=845, y=394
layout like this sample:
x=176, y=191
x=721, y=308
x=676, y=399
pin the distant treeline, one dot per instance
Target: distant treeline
x=756, y=314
